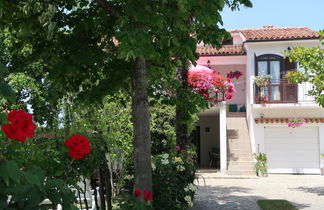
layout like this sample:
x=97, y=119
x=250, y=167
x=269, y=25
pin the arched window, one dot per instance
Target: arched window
x=270, y=64
x=279, y=90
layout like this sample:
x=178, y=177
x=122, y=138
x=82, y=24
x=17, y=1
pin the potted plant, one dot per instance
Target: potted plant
x=261, y=164
x=262, y=80
x=234, y=74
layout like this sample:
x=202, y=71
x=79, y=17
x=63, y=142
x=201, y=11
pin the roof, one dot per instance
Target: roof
x=225, y=50
x=286, y=120
x=269, y=33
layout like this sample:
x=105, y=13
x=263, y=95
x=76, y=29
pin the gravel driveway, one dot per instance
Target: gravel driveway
x=227, y=192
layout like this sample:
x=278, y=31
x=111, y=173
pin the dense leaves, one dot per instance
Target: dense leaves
x=312, y=61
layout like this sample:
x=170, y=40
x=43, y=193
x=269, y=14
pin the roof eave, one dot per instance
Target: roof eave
x=278, y=40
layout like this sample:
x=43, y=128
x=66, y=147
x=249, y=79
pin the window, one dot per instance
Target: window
x=279, y=90
x=269, y=65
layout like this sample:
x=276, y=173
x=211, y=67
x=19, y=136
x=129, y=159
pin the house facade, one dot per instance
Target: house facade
x=245, y=124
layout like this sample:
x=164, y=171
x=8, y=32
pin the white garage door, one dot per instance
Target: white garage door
x=292, y=150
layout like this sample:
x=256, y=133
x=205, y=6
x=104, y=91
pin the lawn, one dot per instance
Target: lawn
x=275, y=204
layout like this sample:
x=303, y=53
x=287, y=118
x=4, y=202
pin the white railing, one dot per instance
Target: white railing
x=303, y=93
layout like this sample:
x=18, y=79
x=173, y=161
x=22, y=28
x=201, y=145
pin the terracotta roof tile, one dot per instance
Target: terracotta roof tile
x=285, y=120
x=272, y=33
x=225, y=50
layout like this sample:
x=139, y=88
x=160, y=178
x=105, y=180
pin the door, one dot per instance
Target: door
x=292, y=150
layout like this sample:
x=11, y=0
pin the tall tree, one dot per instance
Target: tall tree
x=76, y=43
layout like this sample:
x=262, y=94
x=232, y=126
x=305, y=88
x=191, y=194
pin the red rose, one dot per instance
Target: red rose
x=147, y=195
x=21, y=127
x=78, y=146
x=137, y=193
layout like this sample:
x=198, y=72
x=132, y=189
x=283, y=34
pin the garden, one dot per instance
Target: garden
x=96, y=103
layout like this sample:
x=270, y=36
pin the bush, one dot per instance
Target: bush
x=173, y=177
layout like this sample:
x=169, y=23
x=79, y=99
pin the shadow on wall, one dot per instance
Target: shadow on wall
x=232, y=133
x=220, y=197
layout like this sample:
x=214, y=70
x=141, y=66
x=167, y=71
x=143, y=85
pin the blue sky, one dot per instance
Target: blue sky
x=280, y=13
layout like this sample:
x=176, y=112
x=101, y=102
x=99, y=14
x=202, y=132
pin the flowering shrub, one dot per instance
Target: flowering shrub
x=78, y=146
x=23, y=184
x=173, y=177
x=295, y=122
x=262, y=81
x=211, y=85
x=129, y=201
x=234, y=74
x=21, y=127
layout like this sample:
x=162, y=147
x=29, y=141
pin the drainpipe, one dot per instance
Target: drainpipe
x=223, y=137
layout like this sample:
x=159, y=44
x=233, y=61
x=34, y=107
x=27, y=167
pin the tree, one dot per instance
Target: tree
x=312, y=61
x=75, y=43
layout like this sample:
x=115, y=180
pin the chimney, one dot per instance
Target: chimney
x=268, y=26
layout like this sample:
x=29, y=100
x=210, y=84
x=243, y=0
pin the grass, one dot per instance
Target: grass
x=276, y=205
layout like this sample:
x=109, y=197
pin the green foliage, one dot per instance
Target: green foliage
x=173, y=177
x=295, y=77
x=27, y=189
x=276, y=204
x=128, y=202
x=312, y=61
x=261, y=164
x=163, y=136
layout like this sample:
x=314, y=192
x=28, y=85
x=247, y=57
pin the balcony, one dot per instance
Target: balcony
x=276, y=92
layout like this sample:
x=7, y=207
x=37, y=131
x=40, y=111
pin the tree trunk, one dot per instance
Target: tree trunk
x=101, y=189
x=107, y=185
x=181, y=113
x=141, y=126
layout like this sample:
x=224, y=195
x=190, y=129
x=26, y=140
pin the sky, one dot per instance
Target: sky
x=279, y=13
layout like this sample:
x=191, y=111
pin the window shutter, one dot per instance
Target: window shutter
x=289, y=91
x=289, y=66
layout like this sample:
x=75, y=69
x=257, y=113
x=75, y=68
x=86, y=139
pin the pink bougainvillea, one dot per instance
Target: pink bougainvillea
x=295, y=122
x=211, y=85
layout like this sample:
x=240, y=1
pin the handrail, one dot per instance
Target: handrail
x=276, y=91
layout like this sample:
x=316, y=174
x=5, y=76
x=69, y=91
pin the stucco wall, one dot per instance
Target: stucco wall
x=208, y=140
x=239, y=96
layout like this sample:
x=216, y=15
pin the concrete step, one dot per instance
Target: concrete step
x=240, y=168
x=232, y=155
x=241, y=173
x=239, y=156
x=239, y=146
x=239, y=159
x=240, y=151
x=239, y=162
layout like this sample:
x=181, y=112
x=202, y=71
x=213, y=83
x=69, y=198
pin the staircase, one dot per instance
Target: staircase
x=239, y=154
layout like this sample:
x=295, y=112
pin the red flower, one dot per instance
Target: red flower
x=78, y=146
x=147, y=195
x=178, y=148
x=137, y=193
x=21, y=127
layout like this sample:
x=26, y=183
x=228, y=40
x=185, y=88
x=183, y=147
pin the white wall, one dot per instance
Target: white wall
x=208, y=140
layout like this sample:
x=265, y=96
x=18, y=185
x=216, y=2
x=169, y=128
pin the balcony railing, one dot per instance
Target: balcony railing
x=276, y=92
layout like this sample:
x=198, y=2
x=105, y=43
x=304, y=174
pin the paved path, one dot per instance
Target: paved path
x=225, y=192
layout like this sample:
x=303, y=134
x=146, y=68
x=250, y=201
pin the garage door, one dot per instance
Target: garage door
x=292, y=150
